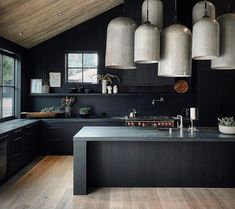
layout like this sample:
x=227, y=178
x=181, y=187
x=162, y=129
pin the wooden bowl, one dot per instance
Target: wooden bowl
x=42, y=114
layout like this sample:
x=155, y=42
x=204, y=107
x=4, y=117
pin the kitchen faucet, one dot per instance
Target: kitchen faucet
x=161, y=99
x=180, y=117
x=181, y=125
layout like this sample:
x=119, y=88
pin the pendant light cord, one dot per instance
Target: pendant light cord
x=147, y=20
x=230, y=6
x=206, y=10
x=176, y=14
x=147, y=10
x=124, y=10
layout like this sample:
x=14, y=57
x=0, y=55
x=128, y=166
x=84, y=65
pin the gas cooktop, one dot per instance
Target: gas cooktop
x=153, y=121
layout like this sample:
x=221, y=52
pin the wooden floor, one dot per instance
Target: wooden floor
x=47, y=184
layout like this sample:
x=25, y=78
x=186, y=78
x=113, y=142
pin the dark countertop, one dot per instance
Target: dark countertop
x=104, y=133
x=15, y=124
x=98, y=119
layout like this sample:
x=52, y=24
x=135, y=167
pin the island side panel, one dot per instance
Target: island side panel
x=139, y=163
x=161, y=164
x=80, y=168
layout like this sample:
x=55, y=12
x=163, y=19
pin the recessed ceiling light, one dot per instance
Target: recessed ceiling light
x=21, y=34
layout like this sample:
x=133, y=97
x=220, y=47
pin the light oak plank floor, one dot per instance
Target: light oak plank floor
x=47, y=184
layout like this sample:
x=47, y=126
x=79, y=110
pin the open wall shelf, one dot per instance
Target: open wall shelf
x=99, y=94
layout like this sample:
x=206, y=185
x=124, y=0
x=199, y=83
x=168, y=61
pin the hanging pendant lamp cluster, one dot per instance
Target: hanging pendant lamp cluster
x=211, y=40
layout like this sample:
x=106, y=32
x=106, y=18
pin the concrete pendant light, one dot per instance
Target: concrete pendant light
x=199, y=9
x=226, y=61
x=176, y=51
x=147, y=43
x=155, y=12
x=120, y=44
x=206, y=38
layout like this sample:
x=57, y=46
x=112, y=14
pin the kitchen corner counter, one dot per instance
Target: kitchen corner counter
x=15, y=124
x=144, y=134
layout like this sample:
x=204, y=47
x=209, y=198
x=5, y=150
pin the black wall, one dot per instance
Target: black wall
x=212, y=91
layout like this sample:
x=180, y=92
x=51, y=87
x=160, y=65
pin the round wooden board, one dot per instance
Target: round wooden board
x=181, y=86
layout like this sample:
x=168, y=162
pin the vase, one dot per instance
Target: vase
x=45, y=89
x=104, y=86
x=68, y=110
x=115, y=89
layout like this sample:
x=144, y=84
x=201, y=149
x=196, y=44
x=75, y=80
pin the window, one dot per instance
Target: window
x=7, y=86
x=82, y=67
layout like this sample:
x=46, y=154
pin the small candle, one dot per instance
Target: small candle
x=193, y=113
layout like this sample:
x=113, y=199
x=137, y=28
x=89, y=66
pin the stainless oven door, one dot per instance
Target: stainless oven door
x=3, y=157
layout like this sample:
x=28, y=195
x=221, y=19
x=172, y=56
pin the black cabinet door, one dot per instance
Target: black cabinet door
x=3, y=156
x=23, y=146
x=16, y=142
x=58, y=136
x=32, y=143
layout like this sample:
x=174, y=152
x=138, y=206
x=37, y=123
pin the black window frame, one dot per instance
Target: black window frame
x=67, y=67
x=14, y=86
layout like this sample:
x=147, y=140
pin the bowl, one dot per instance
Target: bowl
x=85, y=112
x=73, y=90
x=88, y=91
x=80, y=90
x=226, y=129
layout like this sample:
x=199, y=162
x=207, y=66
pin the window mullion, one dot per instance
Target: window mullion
x=82, y=67
x=1, y=82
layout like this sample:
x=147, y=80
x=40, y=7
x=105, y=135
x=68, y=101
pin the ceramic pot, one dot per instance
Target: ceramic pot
x=226, y=129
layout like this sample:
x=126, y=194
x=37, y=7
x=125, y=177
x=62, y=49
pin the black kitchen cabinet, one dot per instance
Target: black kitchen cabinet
x=57, y=136
x=22, y=146
x=3, y=156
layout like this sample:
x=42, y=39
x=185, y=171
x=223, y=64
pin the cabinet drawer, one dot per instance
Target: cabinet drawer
x=16, y=144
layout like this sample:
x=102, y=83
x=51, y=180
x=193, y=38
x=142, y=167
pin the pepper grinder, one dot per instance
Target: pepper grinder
x=193, y=116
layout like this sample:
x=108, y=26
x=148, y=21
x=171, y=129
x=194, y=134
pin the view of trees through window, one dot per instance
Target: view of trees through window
x=7, y=86
x=82, y=67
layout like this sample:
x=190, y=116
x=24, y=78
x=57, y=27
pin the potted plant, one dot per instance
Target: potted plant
x=227, y=125
x=105, y=80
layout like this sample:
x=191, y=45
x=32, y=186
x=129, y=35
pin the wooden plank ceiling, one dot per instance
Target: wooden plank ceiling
x=30, y=22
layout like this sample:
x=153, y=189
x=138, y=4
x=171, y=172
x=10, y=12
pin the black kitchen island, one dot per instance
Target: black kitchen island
x=137, y=157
